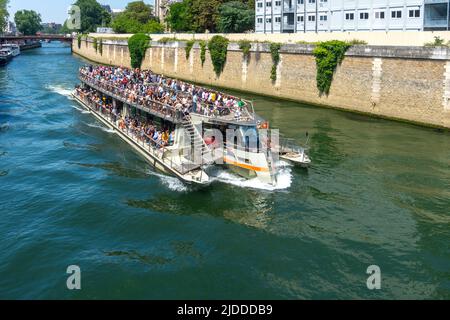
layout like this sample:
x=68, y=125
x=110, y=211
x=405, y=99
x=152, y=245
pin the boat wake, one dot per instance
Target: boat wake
x=80, y=109
x=60, y=90
x=172, y=183
x=96, y=126
x=284, y=179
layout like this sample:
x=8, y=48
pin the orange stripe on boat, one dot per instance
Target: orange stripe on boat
x=245, y=166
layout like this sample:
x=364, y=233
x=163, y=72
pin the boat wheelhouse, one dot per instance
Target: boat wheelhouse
x=5, y=56
x=184, y=139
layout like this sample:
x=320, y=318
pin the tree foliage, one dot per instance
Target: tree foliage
x=93, y=15
x=179, y=18
x=235, y=17
x=275, y=52
x=28, y=22
x=201, y=15
x=137, y=18
x=137, y=46
x=3, y=14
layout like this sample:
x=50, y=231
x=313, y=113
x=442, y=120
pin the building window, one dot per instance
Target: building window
x=363, y=16
x=349, y=16
x=379, y=15
x=269, y=20
x=414, y=13
x=323, y=18
x=300, y=1
x=311, y=18
x=260, y=4
x=396, y=14
x=278, y=19
x=260, y=20
x=268, y=4
x=300, y=19
x=311, y=1
x=278, y=3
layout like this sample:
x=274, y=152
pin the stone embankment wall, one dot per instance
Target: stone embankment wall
x=405, y=83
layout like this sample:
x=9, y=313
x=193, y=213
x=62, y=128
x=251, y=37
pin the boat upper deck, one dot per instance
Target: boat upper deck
x=168, y=98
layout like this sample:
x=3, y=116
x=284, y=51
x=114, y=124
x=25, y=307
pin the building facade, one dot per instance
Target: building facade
x=289, y=16
x=10, y=29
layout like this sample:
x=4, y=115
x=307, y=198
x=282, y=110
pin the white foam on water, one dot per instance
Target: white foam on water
x=100, y=127
x=284, y=179
x=60, y=90
x=172, y=183
x=80, y=109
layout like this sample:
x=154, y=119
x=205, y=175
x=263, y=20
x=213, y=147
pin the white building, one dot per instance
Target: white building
x=286, y=16
x=10, y=28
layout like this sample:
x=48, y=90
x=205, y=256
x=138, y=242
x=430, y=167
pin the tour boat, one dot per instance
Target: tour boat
x=200, y=141
x=5, y=56
x=15, y=48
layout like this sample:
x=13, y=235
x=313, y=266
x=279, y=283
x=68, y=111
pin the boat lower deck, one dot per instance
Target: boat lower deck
x=166, y=159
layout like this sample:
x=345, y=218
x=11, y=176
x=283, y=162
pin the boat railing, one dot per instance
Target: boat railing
x=157, y=148
x=160, y=109
x=249, y=115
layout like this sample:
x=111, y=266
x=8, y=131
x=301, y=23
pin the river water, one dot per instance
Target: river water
x=72, y=193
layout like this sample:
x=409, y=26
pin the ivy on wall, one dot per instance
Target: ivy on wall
x=328, y=56
x=188, y=48
x=245, y=46
x=137, y=46
x=79, y=40
x=218, y=49
x=202, y=51
x=275, y=52
x=100, y=46
x=95, y=44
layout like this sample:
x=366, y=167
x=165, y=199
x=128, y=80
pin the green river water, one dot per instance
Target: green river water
x=72, y=193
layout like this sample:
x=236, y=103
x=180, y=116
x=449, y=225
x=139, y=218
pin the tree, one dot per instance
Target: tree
x=3, y=14
x=93, y=15
x=205, y=14
x=28, y=22
x=235, y=17
x=137, y=17
x=179, y=18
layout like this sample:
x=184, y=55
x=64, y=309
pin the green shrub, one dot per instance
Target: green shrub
x=137, y=46
x=95, y=45
x=202, y=51
x=438, y=42
x=356, y=42
x=80, y=36
x=218, y=49
x=165, y=40
x=275, y=52
x=188, y=48
x=245, y=46
x=328, y=55
x=100, y=46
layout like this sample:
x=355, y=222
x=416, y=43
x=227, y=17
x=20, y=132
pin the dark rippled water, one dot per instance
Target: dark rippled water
x=71, y=193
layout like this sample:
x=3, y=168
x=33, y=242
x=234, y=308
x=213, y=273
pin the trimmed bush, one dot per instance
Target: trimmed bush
x=245, y=46
x=137, y=45
x=202, y=51
x=188, y=48
x=218, y=49
x=275, y=52
x=328, y=55
x=95, y=45
x=100, y=46
x=80, y=36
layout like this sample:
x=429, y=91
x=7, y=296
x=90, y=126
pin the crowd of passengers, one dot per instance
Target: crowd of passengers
x=144, y=87
x=144, y=130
